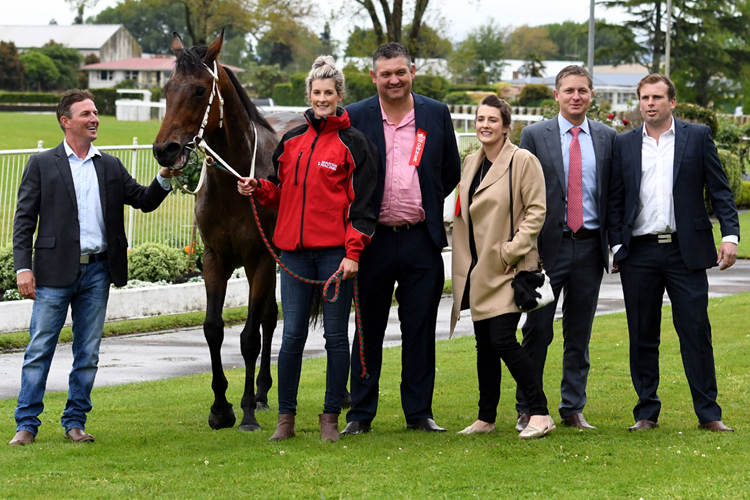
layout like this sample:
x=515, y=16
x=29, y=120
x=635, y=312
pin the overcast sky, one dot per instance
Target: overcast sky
x=460, y=16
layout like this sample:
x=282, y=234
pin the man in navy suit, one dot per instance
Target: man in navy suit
x=420, y=166
x=662, y=238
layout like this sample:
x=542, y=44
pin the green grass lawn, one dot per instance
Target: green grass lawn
x=153, y=441
x=23, y=130
x=743, y=249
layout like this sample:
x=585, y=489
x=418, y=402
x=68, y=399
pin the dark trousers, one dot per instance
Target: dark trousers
x=578, y=273
x=648, y=270
x=411, y=259
x=496, y=340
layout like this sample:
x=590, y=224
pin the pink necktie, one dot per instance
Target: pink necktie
x=575, y=191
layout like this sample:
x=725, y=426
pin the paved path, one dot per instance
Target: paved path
x=137, y=358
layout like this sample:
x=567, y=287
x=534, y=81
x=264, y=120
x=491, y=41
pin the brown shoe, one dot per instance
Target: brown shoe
x=329, y=427
x=715, y=426
x=576, y=420
x=285, y=428
x=642, y=425
x=78, y=436
x=523, y=421
x=22, y=438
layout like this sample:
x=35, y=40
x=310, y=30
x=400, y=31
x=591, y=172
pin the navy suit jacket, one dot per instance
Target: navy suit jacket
x=696, y=166
x=47, y=195
x=440, y=168
x=542, y=139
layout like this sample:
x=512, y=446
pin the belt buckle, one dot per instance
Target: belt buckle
x=573, y=236
x=85, y=259
x=664, y=238
x=398, y=229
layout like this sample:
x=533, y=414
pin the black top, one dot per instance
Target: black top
x=481, y=173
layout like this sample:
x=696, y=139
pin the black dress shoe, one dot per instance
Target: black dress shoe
x=523, y=421
x=576, y=420
x=642, y=425
x=354, y=427
x=427, y=425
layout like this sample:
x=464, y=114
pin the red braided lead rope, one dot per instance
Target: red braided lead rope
x=335, y=279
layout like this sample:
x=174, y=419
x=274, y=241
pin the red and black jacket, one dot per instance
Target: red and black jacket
x=325, y=174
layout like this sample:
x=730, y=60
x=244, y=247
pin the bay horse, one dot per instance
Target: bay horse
x=198, y=92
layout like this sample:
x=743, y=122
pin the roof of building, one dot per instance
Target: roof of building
x=78, y=36
x=164, y=63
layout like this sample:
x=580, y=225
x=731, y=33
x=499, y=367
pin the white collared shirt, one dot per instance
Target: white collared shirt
x=90, y=214
x=655, y=213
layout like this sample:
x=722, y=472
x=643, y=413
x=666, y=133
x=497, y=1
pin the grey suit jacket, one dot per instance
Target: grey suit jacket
x=543, y=140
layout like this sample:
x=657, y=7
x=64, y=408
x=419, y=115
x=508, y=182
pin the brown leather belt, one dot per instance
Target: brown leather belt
x=656, y=238
x=94, y=257
x=581, y=234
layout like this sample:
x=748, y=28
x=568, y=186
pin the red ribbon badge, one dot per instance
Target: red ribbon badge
x=458, y=203
x=418, y=149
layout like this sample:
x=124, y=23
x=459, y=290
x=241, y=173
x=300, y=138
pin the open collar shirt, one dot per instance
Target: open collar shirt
x=90, y=214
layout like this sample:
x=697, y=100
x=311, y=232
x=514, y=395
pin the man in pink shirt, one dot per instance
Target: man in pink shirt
x=420, y=166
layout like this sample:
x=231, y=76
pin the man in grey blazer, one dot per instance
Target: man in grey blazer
x=576, y=155
x=72, y=197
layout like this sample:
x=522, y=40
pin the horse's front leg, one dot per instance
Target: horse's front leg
x=261, y=277
x=222, y=413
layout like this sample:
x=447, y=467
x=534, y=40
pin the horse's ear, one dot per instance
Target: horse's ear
x=177, y=44
x=212, y=54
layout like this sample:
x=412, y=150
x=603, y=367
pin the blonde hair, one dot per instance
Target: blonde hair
x=325, y=67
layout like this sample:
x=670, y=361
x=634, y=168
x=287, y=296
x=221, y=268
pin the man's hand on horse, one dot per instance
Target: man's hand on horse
x=26, y=284
x=350, y=268
x=168, y=173
x=246, y=186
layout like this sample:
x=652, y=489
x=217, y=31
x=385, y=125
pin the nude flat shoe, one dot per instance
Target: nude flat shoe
x=534, y=432
x=473, y=430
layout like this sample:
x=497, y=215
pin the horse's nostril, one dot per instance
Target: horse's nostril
x=167, y=152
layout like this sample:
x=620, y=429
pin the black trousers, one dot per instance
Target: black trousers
x=496, y=340
x=648, y=270
x=411, y=259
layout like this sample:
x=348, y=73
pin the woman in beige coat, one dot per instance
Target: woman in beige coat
x=485, y=259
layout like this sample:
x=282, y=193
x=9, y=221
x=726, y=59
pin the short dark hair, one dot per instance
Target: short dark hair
x=656, y=78
x=495, y=102
x=390, y=50
x=574, y=70
x=68, y=99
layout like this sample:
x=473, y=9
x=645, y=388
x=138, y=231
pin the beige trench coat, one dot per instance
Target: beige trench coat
x=490, y=293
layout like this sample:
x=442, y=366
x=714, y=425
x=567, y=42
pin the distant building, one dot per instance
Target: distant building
x=109, y=42
x=147, y=73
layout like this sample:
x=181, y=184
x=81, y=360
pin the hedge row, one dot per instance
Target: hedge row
x=29, y=98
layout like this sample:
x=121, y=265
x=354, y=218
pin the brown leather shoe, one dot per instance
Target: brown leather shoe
x=715, y=426
x=22, y=438
x=642, y=425
x=329, y=427
x=523, y=421
x=576, y=420
x=78, y=436
x=285, y=427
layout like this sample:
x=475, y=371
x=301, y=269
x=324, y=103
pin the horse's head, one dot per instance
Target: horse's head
x=188, y=92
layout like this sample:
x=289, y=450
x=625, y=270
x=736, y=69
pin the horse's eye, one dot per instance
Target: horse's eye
x=200, y=91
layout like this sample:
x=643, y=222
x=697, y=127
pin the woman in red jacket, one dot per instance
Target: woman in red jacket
x=325, y=173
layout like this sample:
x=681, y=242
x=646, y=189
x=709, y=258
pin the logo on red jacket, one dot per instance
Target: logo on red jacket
x=328, y=164
x=416, y=152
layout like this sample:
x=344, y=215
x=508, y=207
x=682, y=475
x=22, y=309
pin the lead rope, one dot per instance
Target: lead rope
x=217, y=161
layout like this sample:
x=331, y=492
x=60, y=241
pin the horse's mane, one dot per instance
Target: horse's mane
x=190, y=60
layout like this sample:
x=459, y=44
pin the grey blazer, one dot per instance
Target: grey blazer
x=543, y=140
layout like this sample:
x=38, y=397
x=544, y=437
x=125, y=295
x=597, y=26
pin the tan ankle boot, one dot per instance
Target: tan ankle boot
x=285, y=428
x=329, y=427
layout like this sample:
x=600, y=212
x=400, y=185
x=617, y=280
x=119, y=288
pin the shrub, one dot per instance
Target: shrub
x=29, y=97
x=743, y=200
x=697, y=114
x=7, y=273
x=433, y=86
x=282, y=94
x=458, y=98
x=534, y=92
x=359, y=85
x=154, y=262
x=733, y=169
x=466, y=87
x=105, y=101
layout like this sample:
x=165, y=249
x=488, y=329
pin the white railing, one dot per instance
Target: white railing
x=171, y=223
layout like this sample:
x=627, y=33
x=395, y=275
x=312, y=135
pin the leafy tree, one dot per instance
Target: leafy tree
x=263, y=78
x=389, y=29
x=480, y=54
x=11, y=67
x=78, y=6
x=363, y=42
x=525, y=40
x=289, y=45
x=534, y=65
x=67, y=61
x=328, y=45
x=149, y=21
x=614, y=44
x=41, y=72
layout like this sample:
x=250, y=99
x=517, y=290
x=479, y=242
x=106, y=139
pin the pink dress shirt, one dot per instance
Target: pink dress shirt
x=402, y=198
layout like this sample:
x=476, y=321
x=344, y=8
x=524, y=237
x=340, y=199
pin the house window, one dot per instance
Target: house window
x=131, y=75
x=105, y=75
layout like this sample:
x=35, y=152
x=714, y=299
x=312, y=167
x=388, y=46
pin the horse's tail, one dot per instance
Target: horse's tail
x=316, y=306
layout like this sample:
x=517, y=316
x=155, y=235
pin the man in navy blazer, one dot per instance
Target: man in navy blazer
x=419, y=167
x=662, y=238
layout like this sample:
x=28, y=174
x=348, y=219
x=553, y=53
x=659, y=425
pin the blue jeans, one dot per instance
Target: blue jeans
x=87, y=298
x=296, y=299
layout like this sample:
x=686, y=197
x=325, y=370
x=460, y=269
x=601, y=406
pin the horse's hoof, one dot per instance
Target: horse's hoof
x=223, y=420
x=262, y=406
x=347, y=401
x=249, y=427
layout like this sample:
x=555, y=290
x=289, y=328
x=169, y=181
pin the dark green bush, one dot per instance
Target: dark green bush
x=458, y=98
x=743, y=200
x=7, y=273
x=282, y=94
x=432, y=86
x=105, y=100
x=29, y=97
x=697, y=114
x=155, y=262
x=469, y=87
x=733, y=169
x=534, y=92
x=359, y=85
